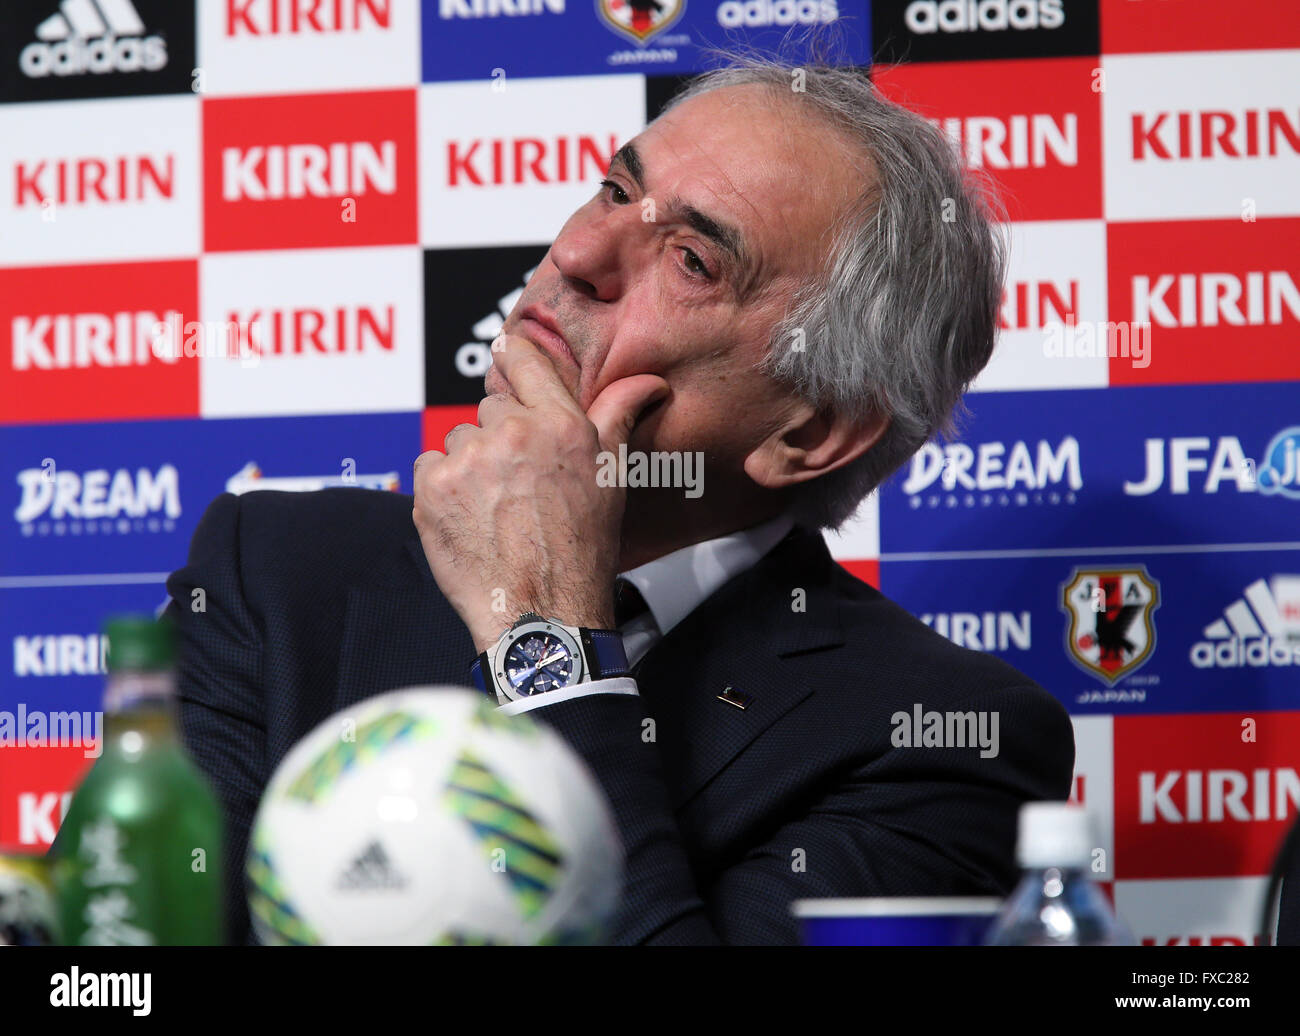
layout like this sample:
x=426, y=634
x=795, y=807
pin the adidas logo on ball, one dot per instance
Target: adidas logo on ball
x=371, y=870
x=927, y=16
x=96, y=36
x=756, y=13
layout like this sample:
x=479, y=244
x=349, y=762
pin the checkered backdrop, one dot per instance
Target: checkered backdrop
x=265, y=243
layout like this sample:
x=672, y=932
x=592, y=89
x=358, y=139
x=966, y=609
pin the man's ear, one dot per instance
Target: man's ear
x=810, y=443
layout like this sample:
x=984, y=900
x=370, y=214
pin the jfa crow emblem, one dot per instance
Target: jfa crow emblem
x=1110, y=632
x=640, y=19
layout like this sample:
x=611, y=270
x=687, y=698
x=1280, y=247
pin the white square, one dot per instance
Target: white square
x=1094, y=784
x=335, y=330
x=1221, y=95
x=510, y=166
x=264, y=48
x=1192, y=911
x=859, y=538
x=1052, y=265
x=99, y=180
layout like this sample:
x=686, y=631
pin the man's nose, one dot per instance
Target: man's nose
x=593, y=251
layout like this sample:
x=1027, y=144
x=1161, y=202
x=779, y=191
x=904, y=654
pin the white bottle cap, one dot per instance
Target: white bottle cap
x=1054, y=834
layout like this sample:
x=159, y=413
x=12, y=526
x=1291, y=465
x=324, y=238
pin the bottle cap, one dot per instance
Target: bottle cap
x=139, y=642
x=1054, y=834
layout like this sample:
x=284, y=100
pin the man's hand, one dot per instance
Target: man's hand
x=510, y=516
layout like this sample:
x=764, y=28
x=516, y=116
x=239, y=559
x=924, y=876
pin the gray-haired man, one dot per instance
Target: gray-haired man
x=793, y=286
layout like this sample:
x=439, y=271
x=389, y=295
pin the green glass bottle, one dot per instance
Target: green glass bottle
x=138, y=858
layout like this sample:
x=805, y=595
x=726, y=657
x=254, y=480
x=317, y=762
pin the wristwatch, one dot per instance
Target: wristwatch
x=537, y=655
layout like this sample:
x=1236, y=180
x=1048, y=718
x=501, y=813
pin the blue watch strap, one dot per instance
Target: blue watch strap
x=477, y=678
x=607, y=654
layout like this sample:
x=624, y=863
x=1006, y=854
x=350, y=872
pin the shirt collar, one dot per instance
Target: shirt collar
x=676, y=584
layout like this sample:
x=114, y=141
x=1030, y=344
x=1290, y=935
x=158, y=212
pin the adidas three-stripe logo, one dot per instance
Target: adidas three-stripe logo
x=92, y=36
x=1261, y=628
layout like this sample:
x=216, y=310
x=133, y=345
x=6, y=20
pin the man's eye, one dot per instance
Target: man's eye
x=621, y=197
x=696, y=265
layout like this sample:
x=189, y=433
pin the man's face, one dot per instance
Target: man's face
x=683, y=263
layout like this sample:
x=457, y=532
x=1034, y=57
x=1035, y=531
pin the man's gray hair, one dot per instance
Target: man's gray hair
x=904, y=316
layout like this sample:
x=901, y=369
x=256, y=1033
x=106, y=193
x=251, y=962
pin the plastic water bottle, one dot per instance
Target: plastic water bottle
x=1056, y=903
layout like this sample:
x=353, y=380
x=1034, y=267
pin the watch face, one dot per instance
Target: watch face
x=538, y=662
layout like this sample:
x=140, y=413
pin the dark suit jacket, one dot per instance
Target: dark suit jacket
x=1288, y=908
x=315, y=601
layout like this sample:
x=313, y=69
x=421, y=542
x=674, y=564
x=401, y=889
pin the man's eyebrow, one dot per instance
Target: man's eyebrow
x=631, y=161
x=724, y=236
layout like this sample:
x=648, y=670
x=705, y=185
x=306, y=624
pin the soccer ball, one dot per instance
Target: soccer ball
x=425, y=816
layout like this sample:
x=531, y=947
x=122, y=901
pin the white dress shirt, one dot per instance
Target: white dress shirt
x=673, y=586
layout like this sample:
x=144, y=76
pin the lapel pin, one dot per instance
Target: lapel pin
x=732, y=696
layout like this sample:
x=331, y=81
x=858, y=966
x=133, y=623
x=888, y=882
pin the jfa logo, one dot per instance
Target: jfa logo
x=640, y=19
x=1110, y=632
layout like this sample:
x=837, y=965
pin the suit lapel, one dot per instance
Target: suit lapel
x=400, y=632
x=731, y=647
